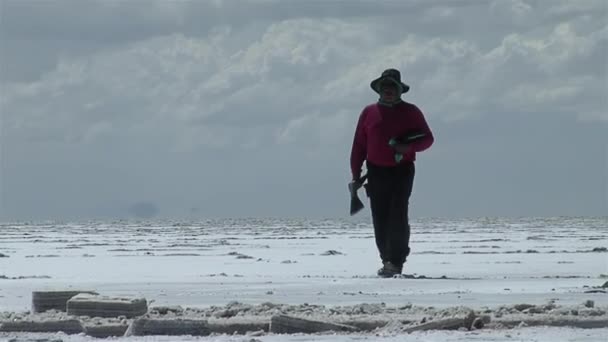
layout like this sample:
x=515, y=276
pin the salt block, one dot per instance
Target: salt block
x=67, y=326
x=574, y=322
x=442, y=324
x=53, y=300
x=163, y=310
x=522, y=307
x=103, y=306
x=240, y=327
x=34, y=340
x=478, y=323
x=106, y=330
x=172, y=327
x=283, y=324
x=469, y=319
x=368, y=324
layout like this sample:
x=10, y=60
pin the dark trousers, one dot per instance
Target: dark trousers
x=389, y=190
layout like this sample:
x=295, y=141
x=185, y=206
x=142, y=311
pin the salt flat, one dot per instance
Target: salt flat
x=483, y=262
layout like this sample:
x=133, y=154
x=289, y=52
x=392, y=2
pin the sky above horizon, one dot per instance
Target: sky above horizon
x=193, y=109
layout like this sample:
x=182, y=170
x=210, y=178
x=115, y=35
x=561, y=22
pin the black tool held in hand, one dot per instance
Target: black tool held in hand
x=355, y=203
x=406, y=139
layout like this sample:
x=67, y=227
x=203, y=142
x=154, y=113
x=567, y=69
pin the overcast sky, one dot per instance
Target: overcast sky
x=247, y=108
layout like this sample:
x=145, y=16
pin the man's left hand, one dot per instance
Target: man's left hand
x=402, y=148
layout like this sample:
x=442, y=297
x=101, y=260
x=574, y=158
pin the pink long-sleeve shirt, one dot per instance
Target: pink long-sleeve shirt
x=376, y=126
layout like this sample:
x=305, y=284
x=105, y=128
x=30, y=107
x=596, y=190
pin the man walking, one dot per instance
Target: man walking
x=381, y=140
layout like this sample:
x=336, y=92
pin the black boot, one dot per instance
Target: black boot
x=389, y=270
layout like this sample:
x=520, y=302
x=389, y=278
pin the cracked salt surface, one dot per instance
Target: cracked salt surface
x=331, y=263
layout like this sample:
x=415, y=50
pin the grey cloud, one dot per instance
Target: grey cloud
x=99, y=21
x=69, y=28
x=235, y=114
x=515, y=164
x=103, y=21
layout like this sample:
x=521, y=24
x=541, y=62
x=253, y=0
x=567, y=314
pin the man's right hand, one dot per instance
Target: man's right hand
x=355, y=184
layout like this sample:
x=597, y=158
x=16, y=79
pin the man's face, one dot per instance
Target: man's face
x=388, y=90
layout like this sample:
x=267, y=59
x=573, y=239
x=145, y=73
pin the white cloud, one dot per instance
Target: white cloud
x=298, y=72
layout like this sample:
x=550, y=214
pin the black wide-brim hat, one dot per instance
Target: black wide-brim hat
x=390, y=74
